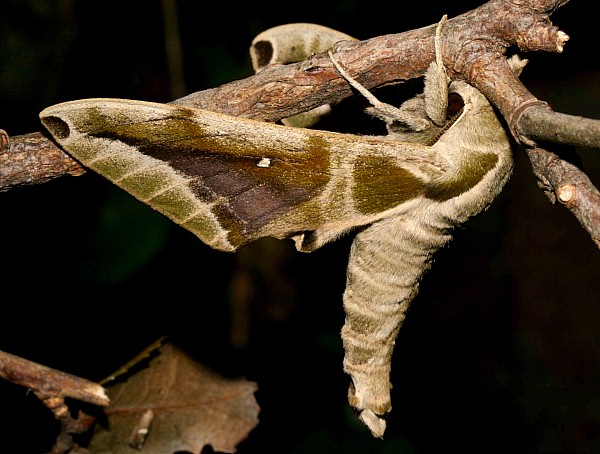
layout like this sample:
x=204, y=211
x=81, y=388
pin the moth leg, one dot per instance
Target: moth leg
x=435, y=93
x=384, y=111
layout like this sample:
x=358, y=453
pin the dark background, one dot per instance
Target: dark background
x=499, y=352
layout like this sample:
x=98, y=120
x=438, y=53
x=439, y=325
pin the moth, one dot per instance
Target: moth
x=231, y=181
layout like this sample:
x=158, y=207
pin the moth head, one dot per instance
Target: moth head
x=461, y=94
x=471, y=98
x=429, y=135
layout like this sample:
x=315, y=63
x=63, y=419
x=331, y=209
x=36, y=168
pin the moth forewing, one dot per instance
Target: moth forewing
x=231, y=180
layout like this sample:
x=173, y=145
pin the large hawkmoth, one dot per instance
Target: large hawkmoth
x=231, y=181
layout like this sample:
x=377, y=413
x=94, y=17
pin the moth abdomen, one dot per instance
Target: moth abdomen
x=387, y=262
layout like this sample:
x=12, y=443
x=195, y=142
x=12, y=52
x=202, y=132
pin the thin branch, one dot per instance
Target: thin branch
x=50, y=382
x=32, y=159
x=52, y=387
x=563, y=182
x=69, y=425
x=173, y=50
x=542, y=124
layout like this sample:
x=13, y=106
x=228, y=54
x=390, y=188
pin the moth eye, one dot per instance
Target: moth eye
x=60, y=129
x=455, y=105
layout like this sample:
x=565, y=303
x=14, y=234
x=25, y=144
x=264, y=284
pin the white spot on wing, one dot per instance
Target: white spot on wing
x=264, y=162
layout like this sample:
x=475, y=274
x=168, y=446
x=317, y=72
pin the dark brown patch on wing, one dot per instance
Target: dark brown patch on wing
x=221, y=167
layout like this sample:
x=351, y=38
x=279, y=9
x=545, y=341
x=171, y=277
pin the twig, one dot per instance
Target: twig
x=149, y=350
x=173, y=51
x=50, y=382
x=69, y=425
x=565, y=183
x=32, y=159
x=52, y=387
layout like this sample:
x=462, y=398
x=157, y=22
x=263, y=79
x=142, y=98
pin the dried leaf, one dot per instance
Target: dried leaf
x=176, y=404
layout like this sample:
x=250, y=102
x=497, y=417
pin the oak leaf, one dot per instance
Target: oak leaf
x=176, y=404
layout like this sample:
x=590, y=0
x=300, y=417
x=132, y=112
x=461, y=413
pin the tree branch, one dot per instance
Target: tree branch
x=52, y=386
x=32, y=159
x=474, y=45
x=49, y=382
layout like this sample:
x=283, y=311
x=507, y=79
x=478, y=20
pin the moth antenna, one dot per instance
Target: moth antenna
x=381, y=110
